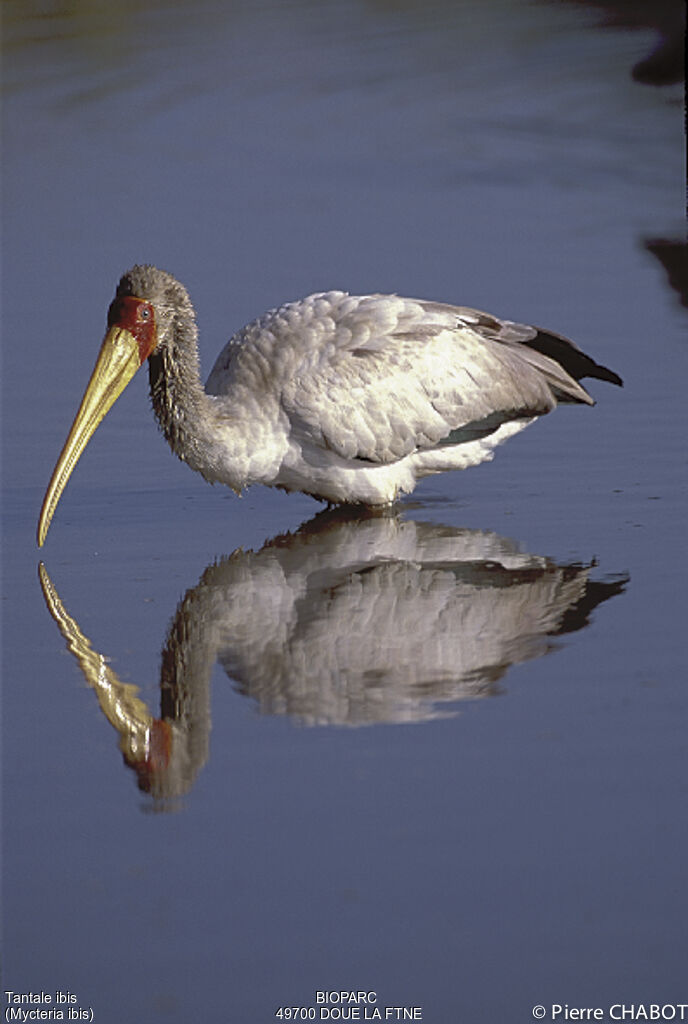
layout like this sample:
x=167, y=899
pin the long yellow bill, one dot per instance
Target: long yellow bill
x=118, y=360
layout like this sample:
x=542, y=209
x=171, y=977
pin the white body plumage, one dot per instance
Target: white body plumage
x=355, y=398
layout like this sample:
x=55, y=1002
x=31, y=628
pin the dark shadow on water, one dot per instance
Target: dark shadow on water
x=665, y=62
x=352, y=620
x=672, y=254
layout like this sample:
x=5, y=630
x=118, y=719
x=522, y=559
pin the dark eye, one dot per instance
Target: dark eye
x=144, y=312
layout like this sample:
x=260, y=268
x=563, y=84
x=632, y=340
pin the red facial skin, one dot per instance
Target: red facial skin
x=138, y=318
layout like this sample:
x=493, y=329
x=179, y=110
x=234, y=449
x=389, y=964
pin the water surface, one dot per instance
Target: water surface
x=440, y=756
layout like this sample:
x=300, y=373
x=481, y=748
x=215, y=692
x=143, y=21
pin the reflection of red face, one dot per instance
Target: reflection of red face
x=157, y=756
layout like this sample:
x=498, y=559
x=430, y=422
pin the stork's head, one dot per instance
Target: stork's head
x=139, y=320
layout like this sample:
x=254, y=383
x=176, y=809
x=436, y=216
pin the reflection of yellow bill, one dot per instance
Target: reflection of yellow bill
x=119, y=701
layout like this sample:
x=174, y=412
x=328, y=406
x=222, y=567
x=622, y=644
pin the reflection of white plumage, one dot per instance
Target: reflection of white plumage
x=347, y=622
x=351, y=399
x=376, y=620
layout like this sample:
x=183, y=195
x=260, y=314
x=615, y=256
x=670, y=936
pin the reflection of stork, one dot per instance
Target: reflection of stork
x=349, y=621
x=351, y=399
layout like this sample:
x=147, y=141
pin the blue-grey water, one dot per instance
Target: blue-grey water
x=440, y=756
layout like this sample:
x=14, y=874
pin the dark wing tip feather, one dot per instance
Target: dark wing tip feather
x=604, y=373
x=570, y=357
